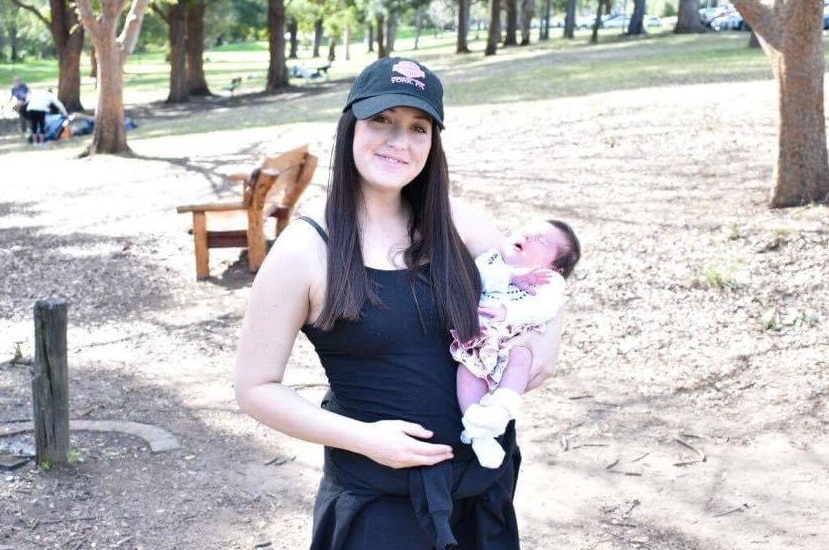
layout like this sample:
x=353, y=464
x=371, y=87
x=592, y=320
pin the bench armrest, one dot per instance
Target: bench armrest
x=210, y=207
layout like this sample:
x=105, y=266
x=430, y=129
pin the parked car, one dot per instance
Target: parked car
x=617, y=21
x=728, y=22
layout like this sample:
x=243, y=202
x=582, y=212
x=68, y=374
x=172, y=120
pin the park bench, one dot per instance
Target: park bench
x=269, y=197
x=234, y=83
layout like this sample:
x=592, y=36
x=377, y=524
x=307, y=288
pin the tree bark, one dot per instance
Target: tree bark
x=636, y=26
x=527, y=14
x=293, y=32
x=68, y=35
x=791, y=34
x=110, y=135
x=315, y=51
x=277, y=71
x=494, y=36
x=688, y=18
x=511, y=7
x=462, y=45
x=176, y=18
x=196, y=80
x=380, y=19
x=570, y=20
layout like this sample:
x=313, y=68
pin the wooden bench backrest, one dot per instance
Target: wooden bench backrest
x=266, y=188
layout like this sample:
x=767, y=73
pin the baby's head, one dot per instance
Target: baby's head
x=550, y=243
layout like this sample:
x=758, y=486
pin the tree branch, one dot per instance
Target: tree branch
x=764, y=19
x=34, y=10
x=132, y=26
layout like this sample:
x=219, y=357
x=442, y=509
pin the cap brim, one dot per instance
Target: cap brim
x=370, y=106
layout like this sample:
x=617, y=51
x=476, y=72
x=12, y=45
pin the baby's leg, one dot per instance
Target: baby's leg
x=470, y=388
x=517, y=373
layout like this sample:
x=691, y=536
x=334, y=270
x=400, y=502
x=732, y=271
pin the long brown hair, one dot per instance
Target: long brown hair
x=433, y=238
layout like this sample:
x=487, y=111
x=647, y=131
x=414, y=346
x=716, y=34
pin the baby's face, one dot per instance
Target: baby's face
x=539, y=244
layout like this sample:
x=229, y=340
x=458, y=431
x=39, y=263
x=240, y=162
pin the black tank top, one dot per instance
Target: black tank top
x=394, y=363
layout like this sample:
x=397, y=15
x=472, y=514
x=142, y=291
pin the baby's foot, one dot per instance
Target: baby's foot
x=490, y=454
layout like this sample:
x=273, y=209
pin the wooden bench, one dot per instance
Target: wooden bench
x=235, y=83
x=269, y=197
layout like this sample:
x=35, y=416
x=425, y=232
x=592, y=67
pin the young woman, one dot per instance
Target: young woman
x=376, y=284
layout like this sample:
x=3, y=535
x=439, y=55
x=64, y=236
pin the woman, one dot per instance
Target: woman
x=376, y=284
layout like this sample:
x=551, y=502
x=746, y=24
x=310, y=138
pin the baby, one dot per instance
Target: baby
x=522, y=289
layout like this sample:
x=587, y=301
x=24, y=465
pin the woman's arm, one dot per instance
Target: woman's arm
x=480, y=234
x=283, y=293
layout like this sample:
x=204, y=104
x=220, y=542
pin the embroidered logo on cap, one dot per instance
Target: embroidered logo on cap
x=411, y=72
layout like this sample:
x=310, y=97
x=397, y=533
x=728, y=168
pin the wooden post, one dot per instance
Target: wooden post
x=50, y=382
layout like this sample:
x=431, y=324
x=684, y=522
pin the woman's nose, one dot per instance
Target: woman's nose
x=396, y=136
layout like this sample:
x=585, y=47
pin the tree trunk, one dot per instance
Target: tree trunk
x=347, y=42
x=317, y=38
x=463, y=27
x=68, y=36
x=570, y=20
x=369, y=37
x=512, y=22
x=110, y=135
x=527, y=14
x=391, y=31
x=177, y=35
x=494, y=36
x=277, y=71
x=293, y=30
x=544, y=25
x=381, y=36
x=196, y=80
x=637, y=26
x=594, y=36
x=791, y=34
x=687, y=20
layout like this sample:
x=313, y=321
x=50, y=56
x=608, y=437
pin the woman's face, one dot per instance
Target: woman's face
x=391, y=148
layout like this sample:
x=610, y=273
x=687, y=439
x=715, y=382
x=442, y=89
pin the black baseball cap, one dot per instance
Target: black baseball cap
x=396, y=82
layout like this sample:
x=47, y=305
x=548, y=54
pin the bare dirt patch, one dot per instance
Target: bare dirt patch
x=690, y=410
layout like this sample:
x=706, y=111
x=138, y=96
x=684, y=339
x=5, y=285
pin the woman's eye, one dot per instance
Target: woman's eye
x=379, y=118
x=419, y=129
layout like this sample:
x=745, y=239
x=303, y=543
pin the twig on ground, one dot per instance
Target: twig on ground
x=279, y=460
x=688, y=445
x=741, y=508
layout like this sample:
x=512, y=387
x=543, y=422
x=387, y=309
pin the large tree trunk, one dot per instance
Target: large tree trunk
x=527, y=14
x=176, y=18
x=570, y=20
x=494, y=36
x=687, y=20
x=380, y=19
x=110, y=135
x=277, y=71
x=315, y=52
x=293, y=41
x=68, y=35
x=791, y=34
x=196, y=80
x=511, y=7
x=637, y=26
x=463, y=27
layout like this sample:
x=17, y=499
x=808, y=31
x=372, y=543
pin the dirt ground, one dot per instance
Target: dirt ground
x=691, y=406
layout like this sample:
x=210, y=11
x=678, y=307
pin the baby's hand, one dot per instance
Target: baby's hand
x=527, y=278
x=498, y=313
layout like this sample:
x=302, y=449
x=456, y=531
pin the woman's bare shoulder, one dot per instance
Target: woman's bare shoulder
x=476, y=228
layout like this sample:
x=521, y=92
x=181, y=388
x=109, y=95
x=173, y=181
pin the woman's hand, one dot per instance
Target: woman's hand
x=399, y=444
x=544, y=348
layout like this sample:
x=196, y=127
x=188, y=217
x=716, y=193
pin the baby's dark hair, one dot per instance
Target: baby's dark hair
x=567, y=262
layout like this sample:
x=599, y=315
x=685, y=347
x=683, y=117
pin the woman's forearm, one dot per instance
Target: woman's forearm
x=281, y=408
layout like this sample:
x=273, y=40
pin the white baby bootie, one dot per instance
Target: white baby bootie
x=489, y=452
